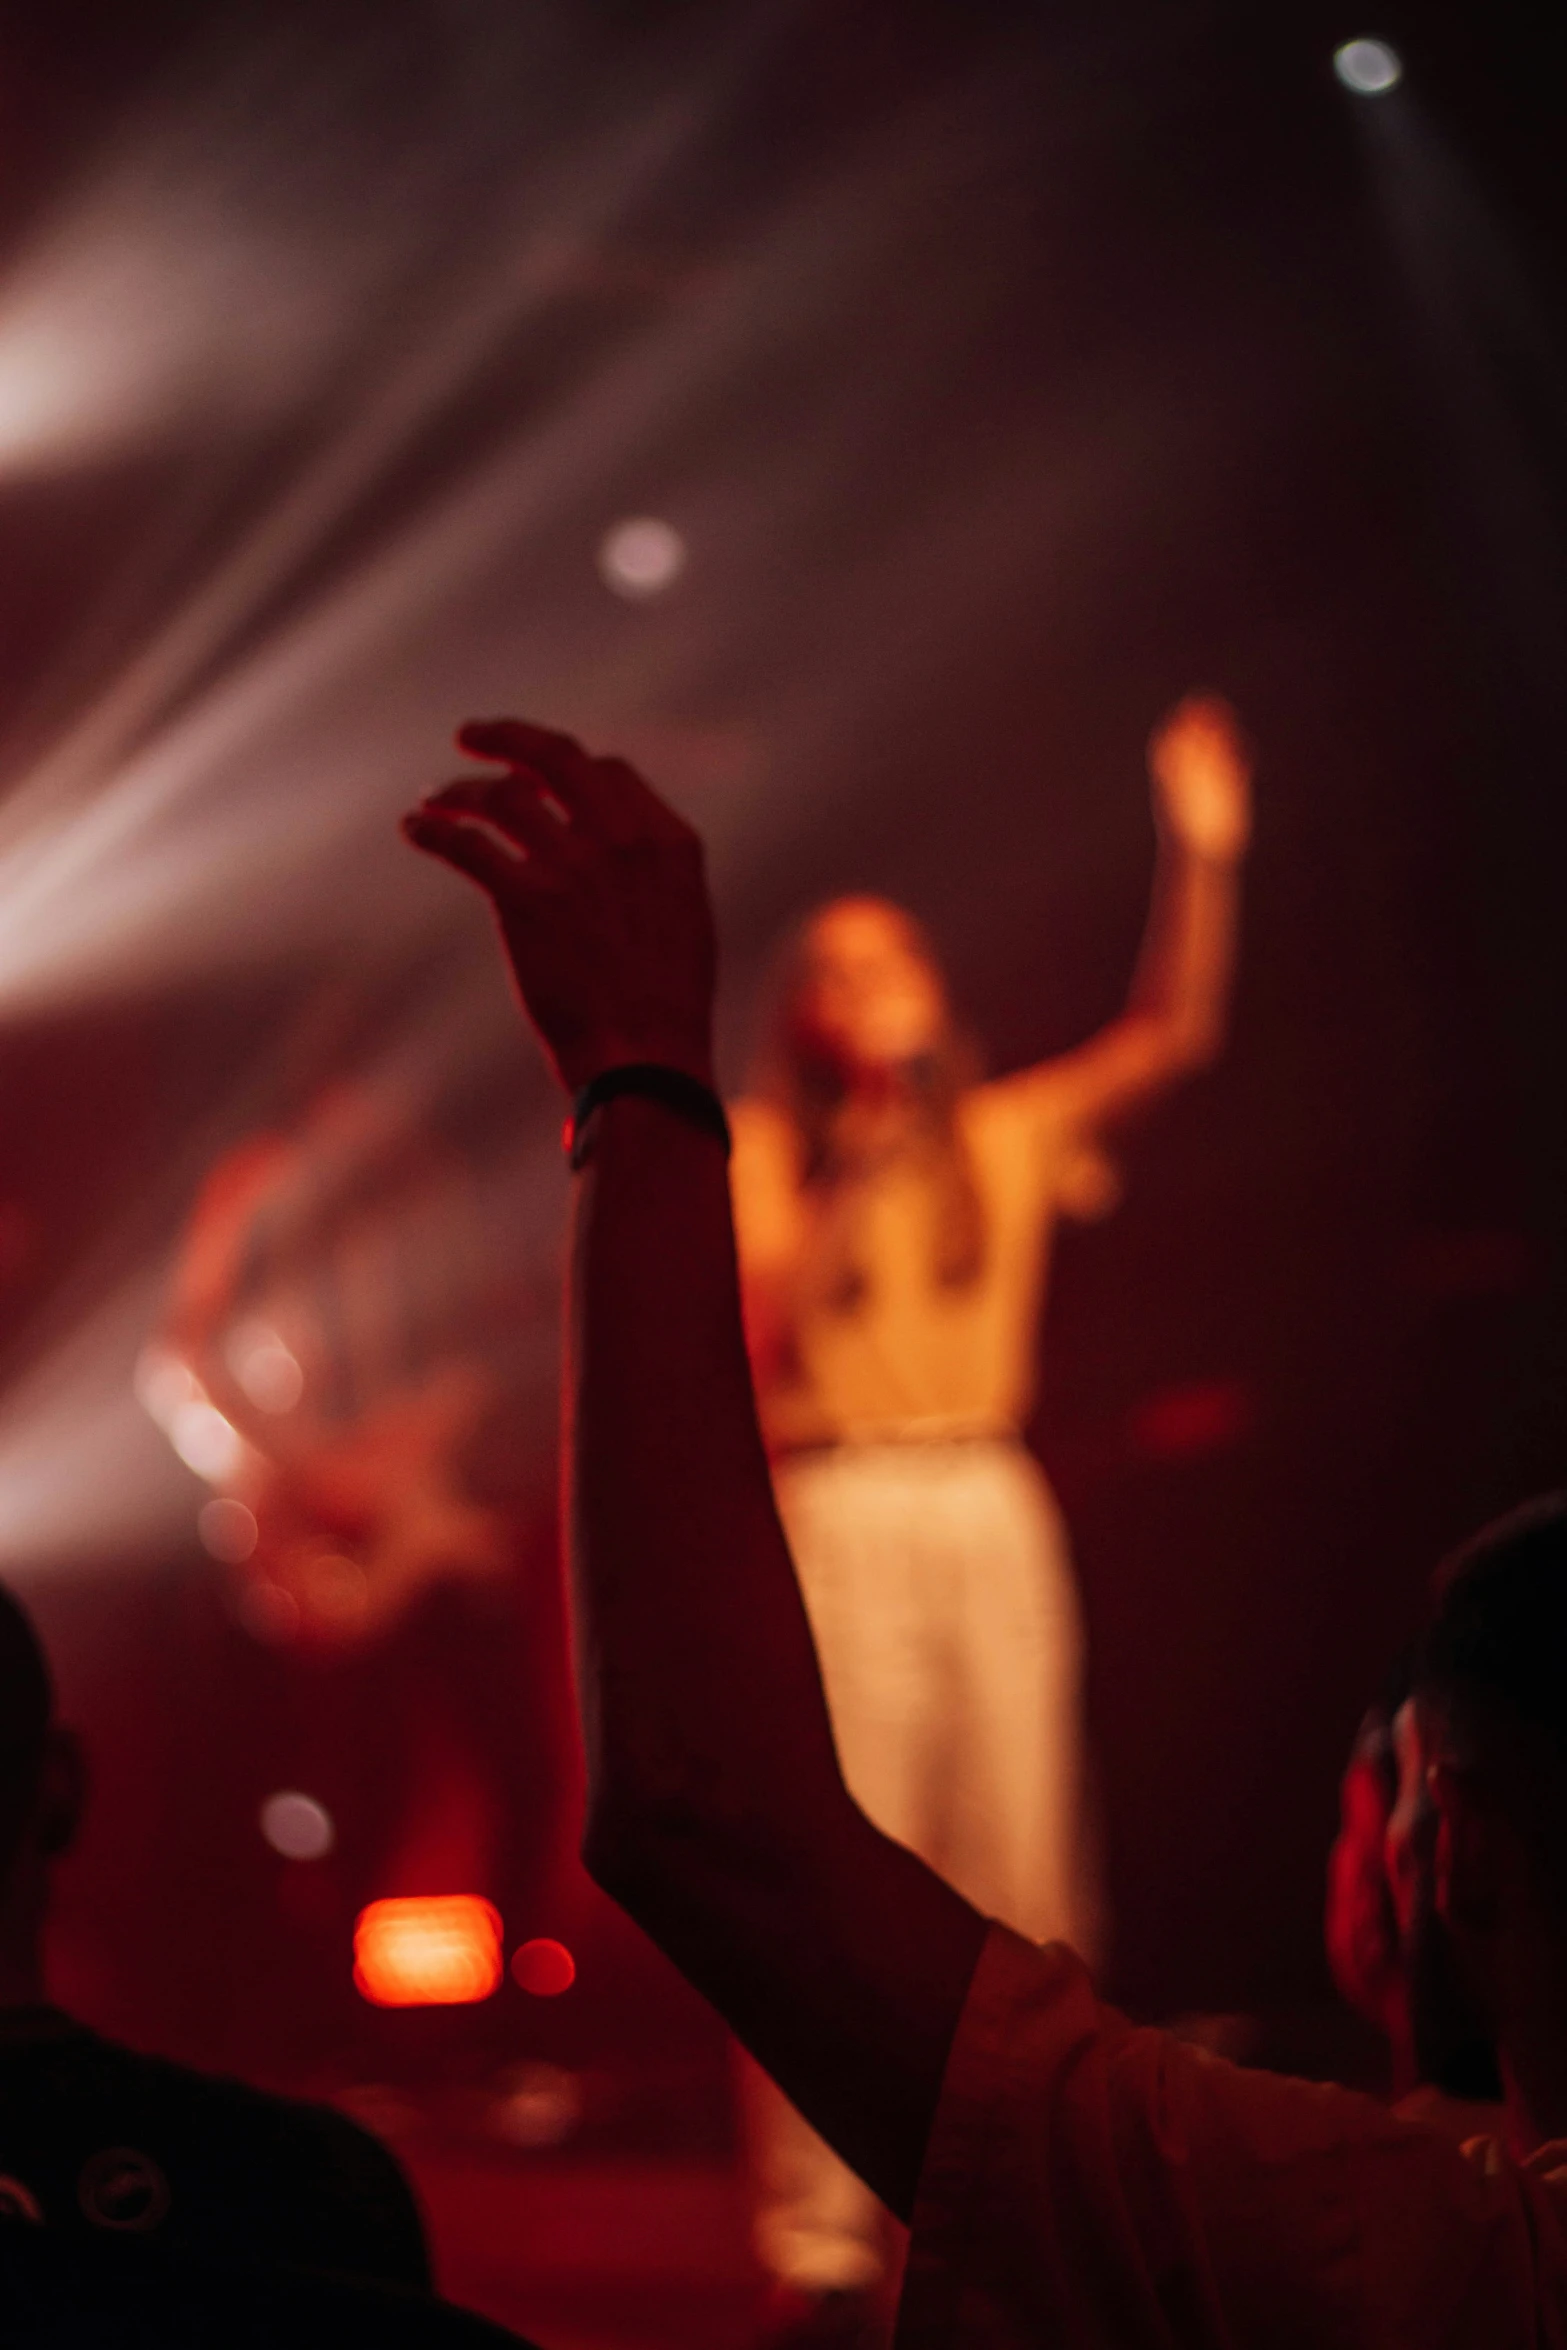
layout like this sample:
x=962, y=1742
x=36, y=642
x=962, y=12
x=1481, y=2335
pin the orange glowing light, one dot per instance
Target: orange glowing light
x=545, y=1968
x=435, y=1951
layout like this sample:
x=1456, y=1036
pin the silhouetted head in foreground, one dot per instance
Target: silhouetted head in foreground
x=1477, y=1842
x=41, y=1788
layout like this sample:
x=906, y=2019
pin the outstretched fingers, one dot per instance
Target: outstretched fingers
x=604, y=796
x=465, y=846
x=522, y=829
x=521, y=808
x=553, y=762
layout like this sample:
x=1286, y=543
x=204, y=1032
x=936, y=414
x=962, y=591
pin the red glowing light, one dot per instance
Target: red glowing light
x=1182, y=1423
x=545, y=1968
x=432, y=1951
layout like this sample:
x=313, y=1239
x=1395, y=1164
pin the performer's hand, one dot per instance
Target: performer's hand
x=1201, y=771
x=599, y=891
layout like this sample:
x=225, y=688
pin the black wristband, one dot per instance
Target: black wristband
x=687, y=1096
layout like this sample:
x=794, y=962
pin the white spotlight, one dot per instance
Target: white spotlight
x=1368, y=67
x=641, y=557
x=297, y=1826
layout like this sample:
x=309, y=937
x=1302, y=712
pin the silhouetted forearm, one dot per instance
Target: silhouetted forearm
x=717, y=1813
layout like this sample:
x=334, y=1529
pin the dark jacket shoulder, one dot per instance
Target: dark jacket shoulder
x=99, y=2136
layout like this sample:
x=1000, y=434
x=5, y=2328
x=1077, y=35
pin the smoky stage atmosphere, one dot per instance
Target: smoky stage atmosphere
x=1079, y=495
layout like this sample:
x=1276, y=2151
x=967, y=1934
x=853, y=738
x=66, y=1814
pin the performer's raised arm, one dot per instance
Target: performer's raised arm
x=1175, y=1015
x=717, y=1812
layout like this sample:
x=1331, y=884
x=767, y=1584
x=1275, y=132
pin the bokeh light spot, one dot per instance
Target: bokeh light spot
x=206, y=1442
x=1368, y=67
x=297, y=1826
x=265, y=1369
x=438, y=1950
x=163, y=1384
x=641, y=557
x=267, y=1612
x=228, y=1530
x=544, y=1967
x=336, y=1589
x=539, y=2106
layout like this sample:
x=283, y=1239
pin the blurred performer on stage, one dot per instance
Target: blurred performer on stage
x=894, y=1222
x=339, y=1359
x=317, y=1307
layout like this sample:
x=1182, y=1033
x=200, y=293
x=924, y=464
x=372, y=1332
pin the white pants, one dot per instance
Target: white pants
x=940, y=1591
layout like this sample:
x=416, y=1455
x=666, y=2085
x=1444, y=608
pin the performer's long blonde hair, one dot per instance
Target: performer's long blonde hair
x=810, y=1091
